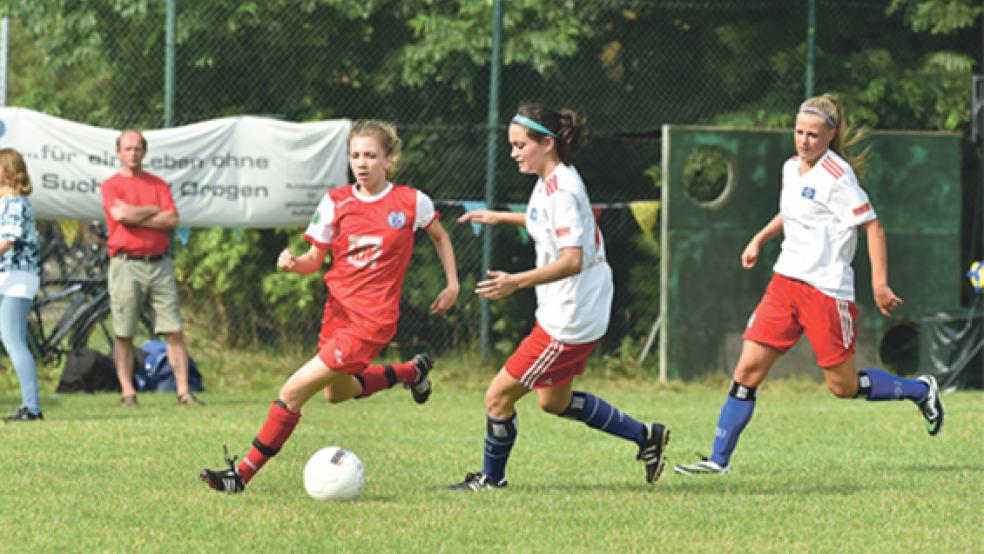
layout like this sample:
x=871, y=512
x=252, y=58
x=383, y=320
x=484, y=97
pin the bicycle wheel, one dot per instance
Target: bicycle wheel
x=94, y=330
x=35, y=340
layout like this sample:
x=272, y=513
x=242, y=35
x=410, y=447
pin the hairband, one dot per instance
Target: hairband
x=527, y=122
x=825, y=117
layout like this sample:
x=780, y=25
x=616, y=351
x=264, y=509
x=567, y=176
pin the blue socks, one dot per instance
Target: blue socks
x=599, y=414
x=735, y=414
x=875, y=384
x=500, y=435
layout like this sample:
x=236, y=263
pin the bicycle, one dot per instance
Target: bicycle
x=78, y=304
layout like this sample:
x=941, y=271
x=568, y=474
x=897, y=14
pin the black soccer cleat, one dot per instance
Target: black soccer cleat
x=421, y=388
x=477, y=481
x=225, y=480
x=931, y=407
x=651, y=450
x=23, y=414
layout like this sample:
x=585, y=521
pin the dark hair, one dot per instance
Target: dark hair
x=568, y=126
x=143, y=140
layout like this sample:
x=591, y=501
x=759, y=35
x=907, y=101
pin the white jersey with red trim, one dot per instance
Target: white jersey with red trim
x=371, y=241
x=574, y=309
x=821, y=211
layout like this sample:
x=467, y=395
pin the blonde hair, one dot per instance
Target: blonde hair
x=831, y=109
x=14, y=172
x=385, y=133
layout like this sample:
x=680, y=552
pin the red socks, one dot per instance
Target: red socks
x=379, y=377
x=280, y=421
x=276, y=429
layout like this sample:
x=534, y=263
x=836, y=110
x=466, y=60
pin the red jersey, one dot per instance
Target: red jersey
x=143, y=190
x=370, y=239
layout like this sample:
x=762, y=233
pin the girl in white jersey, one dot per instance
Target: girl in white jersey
x=821, y=208
x=574, y=295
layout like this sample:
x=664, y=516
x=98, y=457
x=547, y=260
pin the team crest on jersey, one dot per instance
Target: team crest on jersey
x=532, y=214
x=316, y=218
x=364, y=250
x=396, y=220
x=808, y=193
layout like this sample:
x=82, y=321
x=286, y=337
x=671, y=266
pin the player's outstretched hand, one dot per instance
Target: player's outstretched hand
x=500, y=285
x=750, y=255
x=484, y=217
x=886, y=300
x=286, y=261
x=444, y=301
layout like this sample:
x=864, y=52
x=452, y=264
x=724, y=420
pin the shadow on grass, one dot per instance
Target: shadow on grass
x=941, y=468
x=778, y=489
x=567, y=487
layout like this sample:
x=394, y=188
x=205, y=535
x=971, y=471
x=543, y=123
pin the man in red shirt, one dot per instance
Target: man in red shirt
x=140, y=214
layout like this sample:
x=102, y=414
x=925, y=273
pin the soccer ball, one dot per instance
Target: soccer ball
x=976, y=276
x=334, y=473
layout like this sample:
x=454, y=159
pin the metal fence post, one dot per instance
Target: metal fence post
x=170, y=38
x=811, y=44
x=4, y=58
x=492, y=139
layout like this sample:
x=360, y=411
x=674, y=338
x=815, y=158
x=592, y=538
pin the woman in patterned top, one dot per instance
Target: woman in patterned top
x=19, y=277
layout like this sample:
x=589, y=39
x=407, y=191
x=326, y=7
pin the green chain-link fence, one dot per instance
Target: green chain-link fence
x=630, y=66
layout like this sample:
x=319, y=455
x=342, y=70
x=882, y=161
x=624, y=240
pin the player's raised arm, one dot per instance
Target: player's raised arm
x=445, y=251
x=878, y=257
x=309, y=262
x=772, y=229
x=492, y=217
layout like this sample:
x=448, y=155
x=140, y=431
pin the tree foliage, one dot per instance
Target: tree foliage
x=629, y=65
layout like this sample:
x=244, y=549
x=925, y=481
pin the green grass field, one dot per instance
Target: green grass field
x=812, y=474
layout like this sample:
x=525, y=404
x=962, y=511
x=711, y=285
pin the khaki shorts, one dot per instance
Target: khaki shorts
x=135, y=286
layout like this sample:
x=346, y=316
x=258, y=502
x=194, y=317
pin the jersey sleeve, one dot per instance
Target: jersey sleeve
x=849, y=202
x=12, y=220
x=109, y=195
x=321, y=229
x=425, y=212
x=567, y=228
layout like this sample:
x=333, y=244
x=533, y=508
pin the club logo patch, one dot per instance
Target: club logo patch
x=316, y=218
x=532, y=214
x=808, y=193
x=396, y=220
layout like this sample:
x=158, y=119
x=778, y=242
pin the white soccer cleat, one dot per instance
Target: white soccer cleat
x=701, y=467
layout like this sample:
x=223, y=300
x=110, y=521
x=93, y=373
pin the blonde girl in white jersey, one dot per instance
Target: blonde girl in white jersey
x=574, y=293
x=822, y=208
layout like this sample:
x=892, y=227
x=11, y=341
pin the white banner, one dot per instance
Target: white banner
x=233, y=172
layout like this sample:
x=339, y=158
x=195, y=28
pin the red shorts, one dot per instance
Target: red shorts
x=343, y=347
x=790, y=308
x=541, y=362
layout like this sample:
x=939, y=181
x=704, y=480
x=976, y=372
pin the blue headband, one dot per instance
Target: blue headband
x=825, y=117
x=527, y=122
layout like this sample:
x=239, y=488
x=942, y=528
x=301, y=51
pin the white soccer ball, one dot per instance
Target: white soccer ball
x=334, y=473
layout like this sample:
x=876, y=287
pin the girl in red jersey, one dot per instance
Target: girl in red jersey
x=573, y=283
x=821, y=208
x=368, y=227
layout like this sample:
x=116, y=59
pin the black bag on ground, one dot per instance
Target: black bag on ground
x=87, y=370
